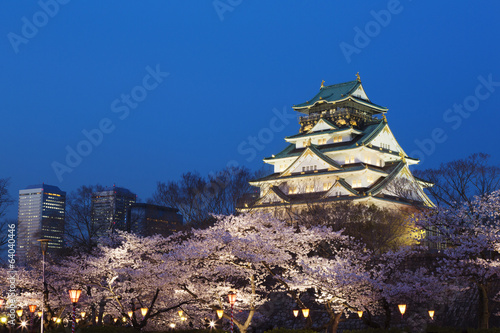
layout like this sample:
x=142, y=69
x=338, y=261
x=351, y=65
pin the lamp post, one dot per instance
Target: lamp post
x=32, y=308
x=44, y=244
x=402, y=309
x=74, y=295
x=232, y=300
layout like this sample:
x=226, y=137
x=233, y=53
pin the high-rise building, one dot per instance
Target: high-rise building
x=344, y=150
x=41, y=215
x=147, y=219
x=109, y=209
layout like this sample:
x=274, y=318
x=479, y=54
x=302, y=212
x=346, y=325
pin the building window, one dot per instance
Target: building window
x=292, y=190
x=337, y=139
x=352, y=159
x=369, y=179
x=379, y=162
x=368, y=160
x=282, y=167
x=356, y=183
x=327, y=186
x=309, y=188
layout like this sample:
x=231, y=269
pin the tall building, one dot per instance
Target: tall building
x=41, y=215
x=344, y=150
x=109, y=209
x=147, y=219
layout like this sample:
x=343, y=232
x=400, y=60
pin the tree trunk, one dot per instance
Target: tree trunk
x=484, y=313
x=334, y=323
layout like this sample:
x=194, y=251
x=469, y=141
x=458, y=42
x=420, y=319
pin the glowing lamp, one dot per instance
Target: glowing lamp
x=58, y=320
x=305, y=312
x=82, y=314
x=115, y=319
x=180, y=312
x=23, y=323
x=360, y=314
x=32, y=308
x=74, y=295
x=220, y=313
x=19, y=312
x=124, y=319
x=54, y=319
x=3, y=320
x=77, y=320
x=295, y=313
x=130, y=313
x=144, y=311
x=232, y=298
x=212, y=324
x=39, y=313
x=402, y=308
x=172, y=325
x=431, y=314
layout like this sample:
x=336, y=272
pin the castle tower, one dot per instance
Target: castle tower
x=344, y=150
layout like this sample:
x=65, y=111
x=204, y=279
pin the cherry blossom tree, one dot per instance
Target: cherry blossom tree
x=238, y=254
x=471, y=240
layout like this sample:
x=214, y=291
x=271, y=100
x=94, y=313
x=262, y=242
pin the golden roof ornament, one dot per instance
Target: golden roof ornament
x=357, y=77
x=322, y=84
x=403, y=156
x=384, y=118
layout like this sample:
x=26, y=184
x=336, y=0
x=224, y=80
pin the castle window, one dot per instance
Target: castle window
x=293, y=190
x=369, y=179
x=352, y=159
x=337, y=139
x=356, y=183
x=309, y=188
x=282, y=167
x=326, y=186
x=379, y=162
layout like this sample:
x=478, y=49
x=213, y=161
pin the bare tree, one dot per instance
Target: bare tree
x=460, y=180
x=81, y=230
x=5, y=201
x=198, y=197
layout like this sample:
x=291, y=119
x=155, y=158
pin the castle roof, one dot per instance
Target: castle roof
x=335, y=93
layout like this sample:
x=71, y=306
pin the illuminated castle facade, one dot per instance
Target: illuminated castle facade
x=344, y=150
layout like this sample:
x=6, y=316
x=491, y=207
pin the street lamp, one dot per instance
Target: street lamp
x=74, y=296
x=32, y=308
x=44, y=244
x=305, y=312
x=180, y=312
x=19, y=312
x=360, y=314
x=402, y=309
x=144, y=312
x=431, y=314
x=220, y=313
x=232, y=300
x=82, y=314
x=295, y=313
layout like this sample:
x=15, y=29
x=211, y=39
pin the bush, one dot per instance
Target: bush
x=289, y=330
x=376, y=330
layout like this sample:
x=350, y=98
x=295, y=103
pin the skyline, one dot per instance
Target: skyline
x=145, y=92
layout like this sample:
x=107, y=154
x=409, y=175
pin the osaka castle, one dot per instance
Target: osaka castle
x=344, y=150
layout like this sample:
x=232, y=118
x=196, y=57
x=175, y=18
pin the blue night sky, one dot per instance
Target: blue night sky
x=166, y=87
